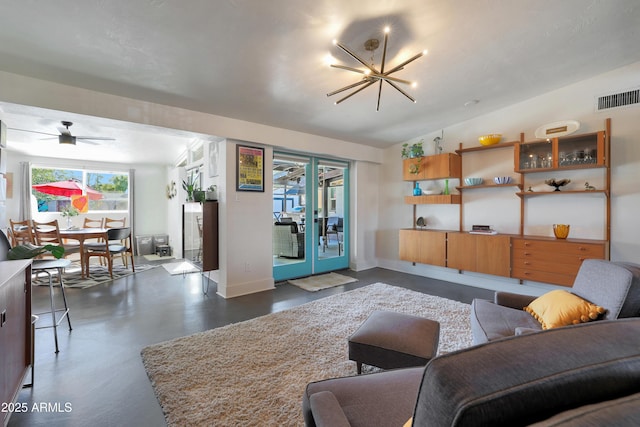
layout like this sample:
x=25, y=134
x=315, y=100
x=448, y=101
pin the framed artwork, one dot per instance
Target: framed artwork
x=249, y=168
x=213, y=159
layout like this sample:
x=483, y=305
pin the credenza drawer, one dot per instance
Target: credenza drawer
x=588, y=250
x=544, y=276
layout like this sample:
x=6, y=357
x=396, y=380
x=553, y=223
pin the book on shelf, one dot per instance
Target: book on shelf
x=482, y=229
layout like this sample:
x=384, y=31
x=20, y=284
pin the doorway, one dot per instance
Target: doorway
x=310, y=215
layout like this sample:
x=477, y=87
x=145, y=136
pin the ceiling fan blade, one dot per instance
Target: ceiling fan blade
x=34, y=131
x=97, y=138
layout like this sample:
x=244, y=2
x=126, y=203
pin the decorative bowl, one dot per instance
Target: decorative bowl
x=561, y=231
x=502, y=180
x=490, y=139
x=473, y=181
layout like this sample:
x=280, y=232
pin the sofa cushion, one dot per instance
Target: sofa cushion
x=624, y=411
x=631, y=305
x=388, y=396
x=608, y=285
x=527, y=379
x=561, y=308
x=490, y=321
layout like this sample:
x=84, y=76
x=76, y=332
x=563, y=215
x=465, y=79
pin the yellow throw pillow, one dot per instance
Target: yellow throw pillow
x=409, y=423
x=561, y=308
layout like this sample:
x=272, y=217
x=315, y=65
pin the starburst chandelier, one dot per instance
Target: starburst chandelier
x=371, y=74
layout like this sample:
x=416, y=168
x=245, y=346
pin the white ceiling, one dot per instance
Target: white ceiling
x=264, y=61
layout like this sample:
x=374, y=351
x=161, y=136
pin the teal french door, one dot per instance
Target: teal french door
x=310, y=214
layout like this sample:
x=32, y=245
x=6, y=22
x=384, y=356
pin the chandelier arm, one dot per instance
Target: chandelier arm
x=398, y=67
x=357, y=58
x=389, y=78
x=401, y=91
x=384, y=55
x=351, y=86
x=354, y=92
x=379, y=94
x=344, y=67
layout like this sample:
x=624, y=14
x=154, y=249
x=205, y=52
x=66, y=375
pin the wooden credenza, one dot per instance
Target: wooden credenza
x=15, y=329
x=210, y=251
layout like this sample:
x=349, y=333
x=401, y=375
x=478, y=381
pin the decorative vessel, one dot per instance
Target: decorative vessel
x=557, y=184
x=561, y=231
x=490, y=139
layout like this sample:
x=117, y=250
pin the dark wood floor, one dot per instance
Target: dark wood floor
x=98, y=378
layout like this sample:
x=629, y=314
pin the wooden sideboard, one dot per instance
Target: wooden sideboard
x=15, y=329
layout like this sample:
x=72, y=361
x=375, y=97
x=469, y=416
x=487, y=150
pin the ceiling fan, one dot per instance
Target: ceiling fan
x=65, y=136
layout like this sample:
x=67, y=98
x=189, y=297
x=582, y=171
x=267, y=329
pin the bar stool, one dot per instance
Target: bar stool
x=45, y=266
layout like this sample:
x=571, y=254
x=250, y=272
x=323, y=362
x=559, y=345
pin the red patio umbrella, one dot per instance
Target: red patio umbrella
x=66, y=188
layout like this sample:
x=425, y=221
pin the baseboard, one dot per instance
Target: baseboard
x=246, y=288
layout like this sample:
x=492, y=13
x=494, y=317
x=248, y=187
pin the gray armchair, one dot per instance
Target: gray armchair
x=614, y=286
x=287, y=241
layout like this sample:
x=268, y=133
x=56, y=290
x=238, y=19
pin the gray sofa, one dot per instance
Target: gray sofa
x=587, y=374
x=613, y=286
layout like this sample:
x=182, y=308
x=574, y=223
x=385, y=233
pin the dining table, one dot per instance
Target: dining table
x=82, y=234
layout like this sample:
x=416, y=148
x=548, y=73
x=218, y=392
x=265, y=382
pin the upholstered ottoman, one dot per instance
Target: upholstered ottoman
x=391, y=340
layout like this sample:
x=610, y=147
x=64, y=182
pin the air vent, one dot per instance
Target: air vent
x=622, y=99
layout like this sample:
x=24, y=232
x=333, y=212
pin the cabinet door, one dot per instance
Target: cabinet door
x=461, y=251
x=493, y=255
x=447, y=165
x=482, y=254
x=423, y=246
x=210, y=259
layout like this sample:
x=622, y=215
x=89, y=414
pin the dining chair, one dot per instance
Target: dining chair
x=93, y=223
x=49, y=233
x=111, y=247
x=116, y=223
x=21, y=232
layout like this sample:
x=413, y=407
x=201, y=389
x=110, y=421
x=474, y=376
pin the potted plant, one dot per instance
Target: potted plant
x=211, y=193
x=412, y=151
x=190, y=185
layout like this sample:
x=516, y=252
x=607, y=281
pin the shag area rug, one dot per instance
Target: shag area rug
x=253, y=373
x=322, y=281
x=98, y=274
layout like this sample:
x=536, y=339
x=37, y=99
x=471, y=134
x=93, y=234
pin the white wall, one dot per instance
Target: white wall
x=501, y=208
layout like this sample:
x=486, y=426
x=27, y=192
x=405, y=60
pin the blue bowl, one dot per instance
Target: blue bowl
x=502, y=179
x=473, y=181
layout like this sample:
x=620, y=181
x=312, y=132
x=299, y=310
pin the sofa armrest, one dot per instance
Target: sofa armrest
x=327, y=411
x=508, y=299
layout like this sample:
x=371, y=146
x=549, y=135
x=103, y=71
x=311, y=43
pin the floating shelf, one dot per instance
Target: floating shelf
x=433, y=199
x=558, y=193
x=471, y=187
x=487, y=147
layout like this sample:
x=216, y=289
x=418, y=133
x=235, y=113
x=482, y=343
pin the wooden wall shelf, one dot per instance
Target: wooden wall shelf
x=559, y=193
x=433, y=199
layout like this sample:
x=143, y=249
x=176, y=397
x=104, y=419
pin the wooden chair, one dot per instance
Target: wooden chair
x=112, y=248
x=49, y=233
x=21, y=232
x=116, y=223
x=93, y=223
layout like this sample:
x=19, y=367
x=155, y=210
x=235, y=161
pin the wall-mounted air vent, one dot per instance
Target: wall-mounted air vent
x=622, y=99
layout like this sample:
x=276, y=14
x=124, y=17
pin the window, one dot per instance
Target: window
x=55, y=189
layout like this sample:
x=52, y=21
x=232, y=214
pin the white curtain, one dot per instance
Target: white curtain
x=25, y=191
x=132, y=216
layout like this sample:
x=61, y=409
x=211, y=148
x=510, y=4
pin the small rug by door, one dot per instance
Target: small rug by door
x=254, y=373
x=98, y=274
x=180, y=267
x=154, y=257
x=322, y=281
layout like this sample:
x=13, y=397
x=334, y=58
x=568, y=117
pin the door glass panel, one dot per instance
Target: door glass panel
x=289, y=210
x=331, y=210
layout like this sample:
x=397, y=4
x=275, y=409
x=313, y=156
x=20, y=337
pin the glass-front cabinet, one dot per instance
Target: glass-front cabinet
x=570, y=152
